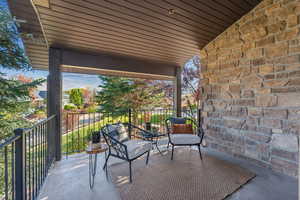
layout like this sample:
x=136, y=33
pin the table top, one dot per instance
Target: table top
x=159, y=134
x=155, y=134
x=94, y=150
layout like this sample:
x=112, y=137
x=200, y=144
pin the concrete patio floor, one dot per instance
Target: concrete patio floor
x=68, y=179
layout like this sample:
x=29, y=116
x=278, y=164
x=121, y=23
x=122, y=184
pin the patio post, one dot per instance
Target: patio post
x=54, y=99
x=177, y=92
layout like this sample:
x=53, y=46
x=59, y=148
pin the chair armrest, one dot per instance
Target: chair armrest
x=116, y=141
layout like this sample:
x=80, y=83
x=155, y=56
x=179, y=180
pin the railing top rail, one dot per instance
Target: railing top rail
x=11, y=139
x=39, y=123
x=82, y=112
x=8, y=141
x=125, y=112
x=155, y=109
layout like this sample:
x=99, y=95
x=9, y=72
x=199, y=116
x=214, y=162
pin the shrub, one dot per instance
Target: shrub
x=70, y=107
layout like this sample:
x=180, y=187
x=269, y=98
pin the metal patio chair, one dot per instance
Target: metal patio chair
x=117, y=137
x=184, y=139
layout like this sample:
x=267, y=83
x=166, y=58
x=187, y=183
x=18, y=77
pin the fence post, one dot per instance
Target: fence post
x=20, y=165
x=129, y=121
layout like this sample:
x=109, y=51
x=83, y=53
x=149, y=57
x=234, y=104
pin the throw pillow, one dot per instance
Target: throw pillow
x=182, y=129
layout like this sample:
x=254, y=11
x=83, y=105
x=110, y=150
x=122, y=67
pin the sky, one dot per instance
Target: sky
x=70, y=80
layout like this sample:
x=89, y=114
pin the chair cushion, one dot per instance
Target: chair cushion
x=137, y=147
x=177, y=120
x=185, y=139
x=182, y=129
x=118, y=131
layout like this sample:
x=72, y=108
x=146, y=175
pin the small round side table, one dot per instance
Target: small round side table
x=93, y=152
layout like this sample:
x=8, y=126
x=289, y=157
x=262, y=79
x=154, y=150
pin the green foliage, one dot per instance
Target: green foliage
x=39, y=112
x=14, y=94
x=91, y=108
x=11, y=53
x=69, y=107
x=76, y=97
x=113, y=90
x=117, y=94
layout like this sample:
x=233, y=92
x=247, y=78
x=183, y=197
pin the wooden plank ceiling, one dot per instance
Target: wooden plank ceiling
x=169, y=31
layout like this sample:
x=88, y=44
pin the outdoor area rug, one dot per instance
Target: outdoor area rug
x=186, y=177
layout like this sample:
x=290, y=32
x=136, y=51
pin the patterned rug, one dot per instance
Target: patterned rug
x=184, y=178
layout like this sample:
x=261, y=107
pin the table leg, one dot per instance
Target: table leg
x=92, y=169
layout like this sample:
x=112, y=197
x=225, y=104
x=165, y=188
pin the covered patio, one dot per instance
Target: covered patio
x=64, y=182
x=250, y=81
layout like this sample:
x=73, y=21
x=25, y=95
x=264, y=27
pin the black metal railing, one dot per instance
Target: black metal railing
x=77, y=127
x=25, y=160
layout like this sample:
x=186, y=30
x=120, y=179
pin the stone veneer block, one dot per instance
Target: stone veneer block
x=289, y=100
x=266, y=101
x=287, y=142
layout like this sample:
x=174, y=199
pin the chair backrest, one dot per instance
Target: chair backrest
x=115, y=135
x=177, y=120
x=118, y=131
x=183, y=120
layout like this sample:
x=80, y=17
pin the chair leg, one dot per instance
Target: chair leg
x=168, y=145
x=147, y=159
x=130, y=175
x=200, y=152
x=158, y=149
x=106, y=160
x=172, y=152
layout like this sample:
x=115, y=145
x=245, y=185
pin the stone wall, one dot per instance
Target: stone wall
x=251, y=87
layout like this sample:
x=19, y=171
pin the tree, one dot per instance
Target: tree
x=32, y=90
x=87, y=95
x=76, y=97
x=117, y=94
x=112, y=93
x=146, y=94
x=191, y=84
x=14, y=94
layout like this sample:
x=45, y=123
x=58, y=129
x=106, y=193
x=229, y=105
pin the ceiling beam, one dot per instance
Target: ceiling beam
x=117, y=63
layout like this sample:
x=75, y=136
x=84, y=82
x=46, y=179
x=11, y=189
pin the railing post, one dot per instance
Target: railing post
x=50, y=139
x=129, y=121
x=199, y=117
x=20, y=165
